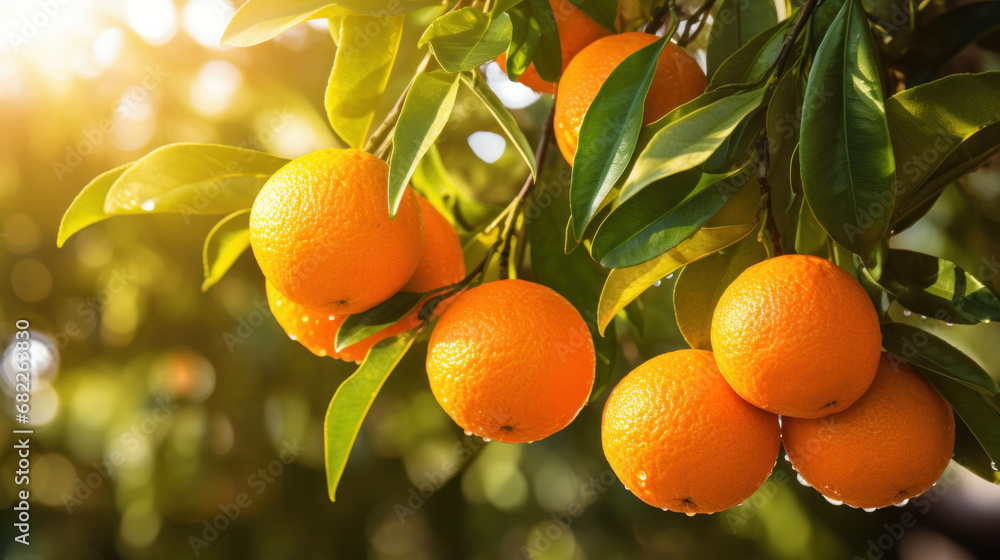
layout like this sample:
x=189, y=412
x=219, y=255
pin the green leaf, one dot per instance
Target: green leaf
x=227, y=240
x=754, y=60
x=969, y=452
x=925, y=350
x=526, y=31
x=625, y=284
x=936, y=42
x=844, y=147
x=664, y=215
x=501, y=6
x=88, y=206
x=192, y=179
x=609, y=132
x=810, y=239
x=701, y=283
x=463, y=39
x=352, y=400
x=503, y=117
x=937, y=288
x=548, y=52
x=359, y=326
x=784, y=115
x=690, y=140
x=977, y=415
x=360, y=73
x=576, y=276
x=422, y=118
x=604, y=12
x=936, y=140
x=734, y=24
x=822, y=18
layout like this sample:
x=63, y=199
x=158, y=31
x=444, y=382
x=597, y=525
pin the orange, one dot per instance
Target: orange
x=441, y=265
x=677, y=80
x=679, y=438
x=891, y=445
x=512, y=361
x=576, y=31
x=797, y=335
x=321, y=232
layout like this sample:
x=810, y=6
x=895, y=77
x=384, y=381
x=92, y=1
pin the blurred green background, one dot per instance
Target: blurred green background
x=158, y=408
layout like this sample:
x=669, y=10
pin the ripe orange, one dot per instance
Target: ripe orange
x=511, y=360
x=441, y=265
x=797, y=335
x=321, y=232
x=678, y=79
x=680, y=439
x=576, y=31
x=891, y=445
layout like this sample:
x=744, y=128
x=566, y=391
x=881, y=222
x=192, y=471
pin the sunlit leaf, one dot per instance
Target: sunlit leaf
x=608, y=133
x=736, y=22
x=352, y=400
x=690, y=140
x=502, y=116
x=846, y=156
x=360, y=73
x=526, y=31
x=359, y=326
x=465, y=38
x=547, y=56
x=936, y=140
x=923, y=349
x=88, y=206
x=754, y=60
x=665, y=214
x=227, y=240
x=937, y=288
x=701, y=283
x=422, y=118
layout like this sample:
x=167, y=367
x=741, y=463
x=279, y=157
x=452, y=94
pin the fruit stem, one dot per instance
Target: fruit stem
x=541, y=151
x=763, y=150
x=660, y=14
x=691, y=31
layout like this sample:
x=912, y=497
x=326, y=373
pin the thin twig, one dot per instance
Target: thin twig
x=382, y=134
x=659, y=16
x=763, y=149
x=541, y=151
x=691, y=32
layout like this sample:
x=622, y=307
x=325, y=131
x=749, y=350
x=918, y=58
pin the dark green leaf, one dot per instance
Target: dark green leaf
x=88, y=206
x=690, y=140
x=502, y=116
x=576, y=276
x=501, y=6
x=925, y=350
x=701, y=283
x=937, y=288
x=846, y=155
x=191, y=179
x=604, y=12
x=548, y=52
x=970, y=453
x=359, y=326
x=754, y=60
x=463, y=39
x=424, y=114
x=609, y=132
x=352, y=400
x=978, y=416
x=735, y=23
x=227, y=240
x=936, y=140
x=360, y=73
x=784, y=116
x=665, y=214
x=821, y=19
x=936, y=42
x=526, y=31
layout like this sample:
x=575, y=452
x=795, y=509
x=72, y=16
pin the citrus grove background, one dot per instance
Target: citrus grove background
x=163, y=413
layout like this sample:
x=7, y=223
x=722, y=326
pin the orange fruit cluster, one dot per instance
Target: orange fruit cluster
x=511, y=360
x=321, y=232
x=698, y=432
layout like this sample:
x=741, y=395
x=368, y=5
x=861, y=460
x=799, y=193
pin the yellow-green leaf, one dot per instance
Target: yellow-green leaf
x=88, y=206
x=227, y=240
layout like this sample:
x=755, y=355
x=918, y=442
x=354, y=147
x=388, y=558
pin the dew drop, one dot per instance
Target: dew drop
x=332, y=318
x=949, y=324
x=833, y=502
x=802, y=480
x=669, y=276
x=739, y=504
x=993, y=465
x=907, y=313
x=690, y=514
x=923, y=316
x=468, y=432
x=869, y=510
x=486, y=439
x=787, y=458
x=641, y=475
x=292, y=336
x=445, y=399
x=902, y=504
x=148, y=205
x=664, y=509
x=657, y=283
